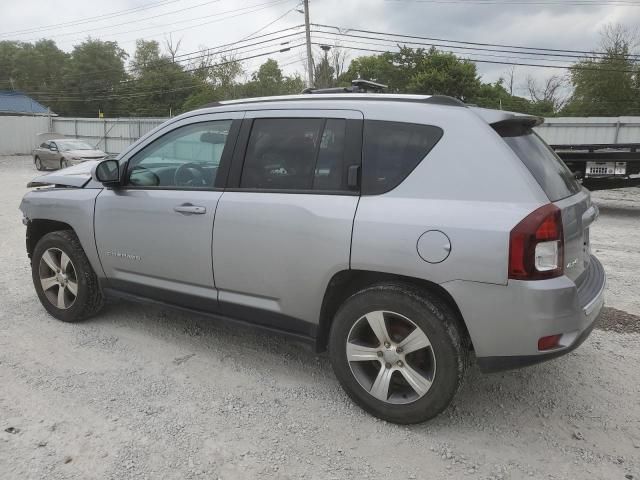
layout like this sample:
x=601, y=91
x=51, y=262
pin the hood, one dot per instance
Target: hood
x=85, y=153
x=74, y=176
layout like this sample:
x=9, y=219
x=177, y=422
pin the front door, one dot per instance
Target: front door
x=283, y=225
x=154, y=233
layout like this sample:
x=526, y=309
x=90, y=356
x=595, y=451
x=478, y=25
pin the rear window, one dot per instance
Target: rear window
x=391, y=151
x=547, y=168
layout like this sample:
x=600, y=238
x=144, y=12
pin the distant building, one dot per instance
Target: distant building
x=18, y=103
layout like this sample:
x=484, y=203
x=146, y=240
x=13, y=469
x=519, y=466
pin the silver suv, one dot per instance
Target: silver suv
x=398, y=232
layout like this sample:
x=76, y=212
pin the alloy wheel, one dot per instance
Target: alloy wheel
x=391, y=357
x=58, y=278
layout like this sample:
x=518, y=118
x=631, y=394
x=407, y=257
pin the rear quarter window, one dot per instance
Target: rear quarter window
x=553, y=176
x=392, y=150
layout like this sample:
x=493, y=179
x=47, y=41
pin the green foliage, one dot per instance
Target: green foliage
x=433, y=72
x=609, y=84
x=269, y=80
x=93, y=78
x=605, y=87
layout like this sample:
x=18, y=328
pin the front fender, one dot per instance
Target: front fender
x=72, y=206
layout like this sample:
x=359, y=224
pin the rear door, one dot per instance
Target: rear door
x=557, y=181
x=283, y=225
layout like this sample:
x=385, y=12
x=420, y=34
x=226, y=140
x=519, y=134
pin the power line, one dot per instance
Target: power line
x=90, y=19
x=400, y=35
x=140, y=94
x=388, y=43
x=247, y=10
x=455, y=47
x=271, y=23
x=564, y=67
x=204, y=53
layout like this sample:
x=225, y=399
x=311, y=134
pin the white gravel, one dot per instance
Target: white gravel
x=147, y=392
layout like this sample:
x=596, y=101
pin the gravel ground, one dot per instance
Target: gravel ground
x=147, y=392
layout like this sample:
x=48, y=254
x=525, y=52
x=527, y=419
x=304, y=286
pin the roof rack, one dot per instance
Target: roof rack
x=357, y=86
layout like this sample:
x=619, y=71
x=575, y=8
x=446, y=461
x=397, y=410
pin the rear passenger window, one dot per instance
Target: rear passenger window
x=392, y=150
x=295, y=154
x=545, y=165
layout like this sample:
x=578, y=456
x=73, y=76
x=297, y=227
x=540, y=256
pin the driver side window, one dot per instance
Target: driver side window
x=187, y=157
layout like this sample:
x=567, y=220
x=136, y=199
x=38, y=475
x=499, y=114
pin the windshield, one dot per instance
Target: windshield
x=66, y=145
x=548, y=169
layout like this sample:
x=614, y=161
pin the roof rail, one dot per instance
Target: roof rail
x=357, y=86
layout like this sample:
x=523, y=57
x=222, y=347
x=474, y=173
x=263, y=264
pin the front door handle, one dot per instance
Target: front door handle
x=189, y=209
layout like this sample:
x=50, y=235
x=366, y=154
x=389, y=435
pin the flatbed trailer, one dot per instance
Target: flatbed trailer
x=603, y=166
x=604, y=152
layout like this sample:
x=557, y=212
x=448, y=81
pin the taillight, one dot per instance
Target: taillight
x=536, y=246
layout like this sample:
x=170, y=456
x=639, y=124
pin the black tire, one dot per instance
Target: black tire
x=89, y=299
x=63, y=163
x=435, y=318
x=38, y=163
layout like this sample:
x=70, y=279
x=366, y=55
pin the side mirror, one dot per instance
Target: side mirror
x=53, y=148
x=107, y=172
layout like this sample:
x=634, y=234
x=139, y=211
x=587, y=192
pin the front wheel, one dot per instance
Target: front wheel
x=38, y=163
x=63, y=278
x=64, y=163
x=398, y=352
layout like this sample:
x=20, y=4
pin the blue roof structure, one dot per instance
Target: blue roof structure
x=15, y=103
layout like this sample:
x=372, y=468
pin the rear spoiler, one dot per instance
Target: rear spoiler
x=500, y=119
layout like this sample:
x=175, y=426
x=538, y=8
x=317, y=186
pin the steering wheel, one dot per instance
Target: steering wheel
x=190, y=175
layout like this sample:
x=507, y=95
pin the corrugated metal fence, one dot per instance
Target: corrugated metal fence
x=111, y=135
x=18, y=134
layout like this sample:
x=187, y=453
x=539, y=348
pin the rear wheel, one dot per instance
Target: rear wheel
x=38, y=163
x=64, y=163
x=63, y=278
x=398, y=352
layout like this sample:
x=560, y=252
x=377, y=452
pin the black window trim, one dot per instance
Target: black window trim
x=353, y=150
x=223, y=169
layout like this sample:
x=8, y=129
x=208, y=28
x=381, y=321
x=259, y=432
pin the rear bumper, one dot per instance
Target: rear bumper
x=506, y=321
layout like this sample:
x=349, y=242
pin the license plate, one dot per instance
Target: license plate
x=599, y=169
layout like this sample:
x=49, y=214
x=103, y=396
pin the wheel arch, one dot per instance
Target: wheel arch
x=39, y=227
x=347, y=282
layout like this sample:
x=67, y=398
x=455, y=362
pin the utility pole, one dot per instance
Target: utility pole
x=309, y=57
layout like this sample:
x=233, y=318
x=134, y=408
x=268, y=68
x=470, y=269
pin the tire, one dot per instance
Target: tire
x=437, y=369
x=38, y=164
x=63, y=163
x=74, y=274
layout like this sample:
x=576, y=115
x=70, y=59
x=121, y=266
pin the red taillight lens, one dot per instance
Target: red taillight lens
x=536, y=246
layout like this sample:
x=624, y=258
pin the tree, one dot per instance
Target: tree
x=269, y=80
x=608, y=84
x=549, y=97
x=217, y=80
x=93, y=75
x=36, y=69
x=324, y=74
x=159, y=86
x=434, y=72
x=418, y=71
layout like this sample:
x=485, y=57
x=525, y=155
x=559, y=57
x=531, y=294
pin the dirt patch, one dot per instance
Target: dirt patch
x=615, y=320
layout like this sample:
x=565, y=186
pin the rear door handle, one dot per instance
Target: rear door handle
x=189, y=209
